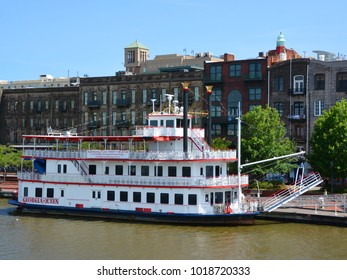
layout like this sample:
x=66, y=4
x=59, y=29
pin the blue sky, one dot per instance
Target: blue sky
x=88, y=37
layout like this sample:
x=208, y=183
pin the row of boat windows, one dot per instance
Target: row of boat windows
x=149, y=197
x=144, y=170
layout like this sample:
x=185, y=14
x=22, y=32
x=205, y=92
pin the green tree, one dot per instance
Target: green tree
x=9, y=157
x=220, y=143
x=329, y=142
x=263, y=136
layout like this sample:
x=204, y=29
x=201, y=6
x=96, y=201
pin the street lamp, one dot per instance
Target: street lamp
x=185, y=86
x=209, y=124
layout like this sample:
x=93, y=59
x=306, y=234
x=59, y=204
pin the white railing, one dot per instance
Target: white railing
x=283, y=196
x=231, y=181
x=141, y=155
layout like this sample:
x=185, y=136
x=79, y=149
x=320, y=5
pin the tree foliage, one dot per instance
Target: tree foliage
x=329, y=142
x=263, y=136
x=220, y=143
x=9, y=157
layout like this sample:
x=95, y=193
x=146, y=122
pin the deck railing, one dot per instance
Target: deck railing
x=140, y=155
x=224, y=181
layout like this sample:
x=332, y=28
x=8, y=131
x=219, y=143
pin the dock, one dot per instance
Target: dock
x=8, y=189
x=331, y=217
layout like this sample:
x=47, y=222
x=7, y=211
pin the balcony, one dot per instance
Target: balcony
x=253, y=77
x=94, y=124
x=293, y=118
x=122, y=103
x=93, y=103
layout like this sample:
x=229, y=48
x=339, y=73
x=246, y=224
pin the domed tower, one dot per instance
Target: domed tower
x=280, y=47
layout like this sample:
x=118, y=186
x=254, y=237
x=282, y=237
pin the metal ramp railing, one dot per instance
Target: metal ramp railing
x=82, y=169
x=283, y=196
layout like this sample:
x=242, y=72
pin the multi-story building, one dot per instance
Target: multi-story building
x=234, y=82
x=114, y=105
x=33, y=110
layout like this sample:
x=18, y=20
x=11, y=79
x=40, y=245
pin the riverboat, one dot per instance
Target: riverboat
x=165, y=172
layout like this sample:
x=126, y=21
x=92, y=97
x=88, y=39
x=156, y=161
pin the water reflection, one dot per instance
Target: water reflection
x=29, y=237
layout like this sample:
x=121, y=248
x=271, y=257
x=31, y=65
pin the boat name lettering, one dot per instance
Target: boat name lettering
x=41, y=200
x=107, y=154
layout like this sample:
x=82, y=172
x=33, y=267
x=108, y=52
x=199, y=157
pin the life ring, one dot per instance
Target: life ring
x=228, y=210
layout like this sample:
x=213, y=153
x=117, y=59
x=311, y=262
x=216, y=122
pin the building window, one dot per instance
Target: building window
x=172, y=171
x=123, y=196
x=298, y=84
x=234, y=98
x=144, y=117
x=186, y=171
x=232, y=129
x=216, y=73
x=298, y=108
x=104, y=118
x=279, y=107
x=150, y=197
x=178, y=198
x=216, y=95
x=145, y=170
x=136, y=197
x=111, y=196
x=196, y=93
x=278, y=84
x=318, y=108
x=131, y=56
x=192, y=199
x=114, y=97
x=133, y=96
x=255, y=71
x=216, y=130
x=341, y=81
x=216, y=111
x=144, y=96
x=254, y=94
x=319, y=82
x=235, y=70
x=164, y=198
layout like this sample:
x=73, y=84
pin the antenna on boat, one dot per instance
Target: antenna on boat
x=169, y=97
x=153, y=100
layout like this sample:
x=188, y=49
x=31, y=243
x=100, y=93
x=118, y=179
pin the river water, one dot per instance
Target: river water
x=40, y=238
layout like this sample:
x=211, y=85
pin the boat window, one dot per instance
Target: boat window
x=50, y=192
x=170, y=123
x=64, y=168
x=153, y=123
x=158, y=171
x=164, y=198
x=179, y=198
x=132, y=170
x=218, y=197
x=119, y=170
x=179, y=123
x=62, y=193
x=186, y=171
x=38, y=192
x=227, y=197
x=25, y=191
x=211, y=199
x=192, y=199
x=92, y=169
x=145, y=170
x=123, y=196
x=201, y=171
x=59, y=168
x=150, y=197
x=161, y=122
x=136, y=197
x=111, y=196
x=209, y=171
x=172, y=171
x=206, y=197
x=107, y=170
x=217, y=170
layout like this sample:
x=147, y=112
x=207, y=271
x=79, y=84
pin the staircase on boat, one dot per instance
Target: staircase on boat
x=301, y=186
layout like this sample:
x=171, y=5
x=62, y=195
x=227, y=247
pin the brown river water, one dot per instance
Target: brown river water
x=24, y=237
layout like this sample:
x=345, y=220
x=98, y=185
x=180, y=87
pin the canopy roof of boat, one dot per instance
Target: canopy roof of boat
x=65, y=138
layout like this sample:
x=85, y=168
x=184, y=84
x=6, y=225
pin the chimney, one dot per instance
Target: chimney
x=229, y=57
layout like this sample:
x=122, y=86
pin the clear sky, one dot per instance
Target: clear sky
x=77, y=37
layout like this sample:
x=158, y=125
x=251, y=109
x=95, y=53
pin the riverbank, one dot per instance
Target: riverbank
x=304, y=215
x=8, y=189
